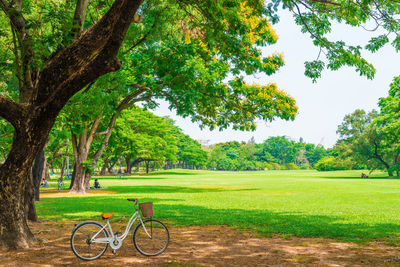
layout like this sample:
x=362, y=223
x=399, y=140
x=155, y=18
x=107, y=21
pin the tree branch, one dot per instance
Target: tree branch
x=74, y=145
x=92, y=132
x=377, y=156
x=326, y=2
x=79, y=18
x=125, y=103
x=143, y=38
x=92, y=55
x=17, y=63
x=18, y=23
x=11, y=111
x=308, y=28
x=13, y=12
x=101, y=133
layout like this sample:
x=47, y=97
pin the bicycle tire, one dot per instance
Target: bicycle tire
x=158, y=242
x=76, y=244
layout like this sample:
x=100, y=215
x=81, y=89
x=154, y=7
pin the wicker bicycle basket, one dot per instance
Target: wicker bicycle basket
x=147, y=209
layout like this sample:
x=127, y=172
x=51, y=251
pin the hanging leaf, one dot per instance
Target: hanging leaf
x=187, y=37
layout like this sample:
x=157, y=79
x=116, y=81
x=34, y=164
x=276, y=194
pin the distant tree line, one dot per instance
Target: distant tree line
x=275, y=153
x=142, y=141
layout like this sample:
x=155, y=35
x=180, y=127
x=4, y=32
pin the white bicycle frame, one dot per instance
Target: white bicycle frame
x=113, y=237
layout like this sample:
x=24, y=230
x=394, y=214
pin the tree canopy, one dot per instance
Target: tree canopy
x=318, y=17
x=276, y=152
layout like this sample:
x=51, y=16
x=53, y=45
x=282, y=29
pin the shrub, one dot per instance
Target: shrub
x=273, y=166
x=292, y=166
x=305, y=167
x=333, y=164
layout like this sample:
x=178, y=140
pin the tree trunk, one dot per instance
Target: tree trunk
x=133, y=163
x=81, y=151
x=37, y=172
x=64, y=162
x=137, y=163
x=43, y=175
x=33, y=186
x=72, y=177
x=14, y=230
x=147, y=166
x=81, y=179
x=111, y=166
x=30, y=200
x=128, y=165
x=79, y=18
x=104, y=167
x=15, y=178
x=119, y=166
x=110, y=169
x=46, y=171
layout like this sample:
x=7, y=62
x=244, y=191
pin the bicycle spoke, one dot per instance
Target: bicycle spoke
x=154, y=244
x=82, y=244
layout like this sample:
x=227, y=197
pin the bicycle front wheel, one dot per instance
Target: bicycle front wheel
x=152, y=239
x=84, y=245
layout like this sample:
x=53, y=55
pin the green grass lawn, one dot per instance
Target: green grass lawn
x=337, y=205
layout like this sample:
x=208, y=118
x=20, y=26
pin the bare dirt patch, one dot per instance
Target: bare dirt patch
x=206, y=246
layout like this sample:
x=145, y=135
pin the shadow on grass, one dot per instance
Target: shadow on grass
x=144, y=176
x=127, y=177
x=359, y=178
x=174, y=189
x=183, y=172
x=265, y=222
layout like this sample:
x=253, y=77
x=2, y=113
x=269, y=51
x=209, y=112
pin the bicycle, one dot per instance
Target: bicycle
x=90, y=239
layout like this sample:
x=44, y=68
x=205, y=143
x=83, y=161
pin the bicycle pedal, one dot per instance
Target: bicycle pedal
x=113, y=251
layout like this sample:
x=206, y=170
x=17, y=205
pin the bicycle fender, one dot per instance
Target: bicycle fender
x=88, y=221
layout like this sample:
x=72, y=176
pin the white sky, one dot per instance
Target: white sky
x=322, y=105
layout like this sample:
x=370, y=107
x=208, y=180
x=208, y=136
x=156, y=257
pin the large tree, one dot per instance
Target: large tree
x=91, y=117
x=140, y=136
x=281, y=148
x=388, y=124
x=41, y=83
x=190, y=152
x=372, y=139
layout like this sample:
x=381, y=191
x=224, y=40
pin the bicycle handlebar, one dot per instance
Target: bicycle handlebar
x=133, y=199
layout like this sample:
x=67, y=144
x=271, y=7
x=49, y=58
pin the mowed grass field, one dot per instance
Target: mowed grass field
x=338, y=205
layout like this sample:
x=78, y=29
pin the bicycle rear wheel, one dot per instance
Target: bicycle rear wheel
x=155, y=241
x=82, y=245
